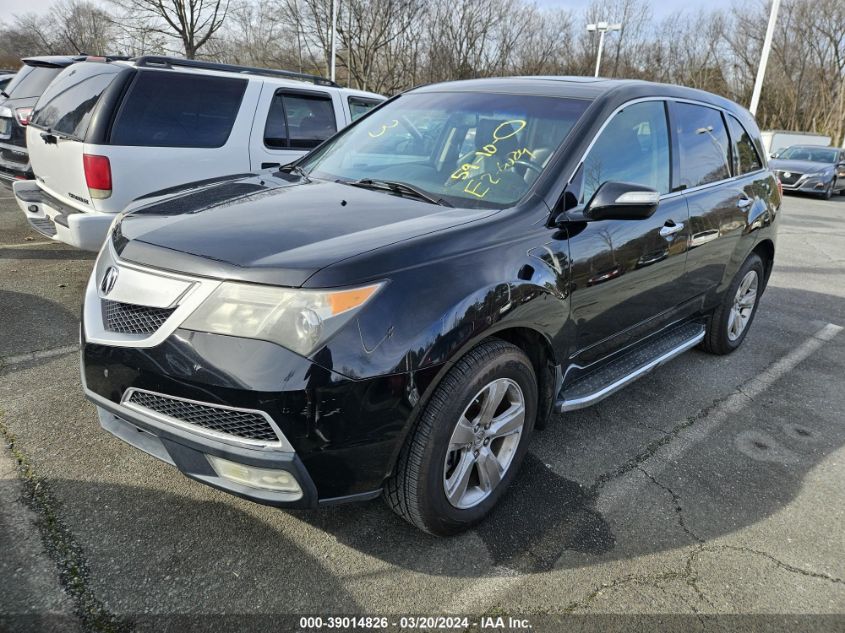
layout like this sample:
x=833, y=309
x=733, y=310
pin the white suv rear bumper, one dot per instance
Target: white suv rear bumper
x=83, y=229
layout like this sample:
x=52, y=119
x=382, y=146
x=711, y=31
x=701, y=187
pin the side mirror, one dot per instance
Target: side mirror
x=622, y=201
x=773, y=155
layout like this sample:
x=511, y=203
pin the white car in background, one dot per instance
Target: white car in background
x=775, y=141
x=106, y=133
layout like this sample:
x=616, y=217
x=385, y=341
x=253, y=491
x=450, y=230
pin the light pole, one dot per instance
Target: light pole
x=602, y=28
x=764, y=57
x=334, y=35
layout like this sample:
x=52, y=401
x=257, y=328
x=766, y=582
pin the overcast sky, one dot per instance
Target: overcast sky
x=661, y=8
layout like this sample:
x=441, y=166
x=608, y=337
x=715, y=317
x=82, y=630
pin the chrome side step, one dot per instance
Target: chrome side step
x=619, y=373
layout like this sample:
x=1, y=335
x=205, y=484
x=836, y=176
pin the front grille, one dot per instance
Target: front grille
x=791, y=179
x=245, y=424
x=128, y=318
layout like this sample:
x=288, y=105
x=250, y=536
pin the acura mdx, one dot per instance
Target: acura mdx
x=396, y=312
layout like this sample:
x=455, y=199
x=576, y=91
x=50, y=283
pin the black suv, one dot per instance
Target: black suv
x=19, y=98
x=395, y=313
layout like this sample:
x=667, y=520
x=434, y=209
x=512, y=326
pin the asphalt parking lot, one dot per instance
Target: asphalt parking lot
x=714, y=486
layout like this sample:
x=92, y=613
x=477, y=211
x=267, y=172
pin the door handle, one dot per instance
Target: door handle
x=743, y=202
x=668, y=230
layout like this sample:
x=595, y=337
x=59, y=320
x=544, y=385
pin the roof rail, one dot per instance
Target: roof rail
x=169, y=62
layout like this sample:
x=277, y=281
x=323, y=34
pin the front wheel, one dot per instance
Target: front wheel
x=828, y=192
x=731, y=320
x=469, y=442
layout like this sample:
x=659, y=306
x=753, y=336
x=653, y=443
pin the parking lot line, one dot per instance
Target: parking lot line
x=627, y=484
x=37, y=355
x=484, y=592
x=28, y=244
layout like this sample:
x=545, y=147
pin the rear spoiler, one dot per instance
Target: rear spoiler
x=62, y=62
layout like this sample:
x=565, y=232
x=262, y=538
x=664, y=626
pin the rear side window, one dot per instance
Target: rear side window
x=170, y=109
x=745, y=157
x=633, y=147
x=703, y=143
x=31, y=81
x=66, y=106
x=299, y=121
x=358, y=106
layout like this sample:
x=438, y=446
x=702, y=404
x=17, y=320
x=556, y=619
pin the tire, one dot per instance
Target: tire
x=428, y=466
x=721, y=336
x=828, y=192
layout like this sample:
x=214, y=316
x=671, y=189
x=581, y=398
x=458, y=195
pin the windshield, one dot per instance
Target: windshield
x=31, y=81
x=470, y=149
x=813, y=154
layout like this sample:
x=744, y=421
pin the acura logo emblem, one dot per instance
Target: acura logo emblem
x=109, y=280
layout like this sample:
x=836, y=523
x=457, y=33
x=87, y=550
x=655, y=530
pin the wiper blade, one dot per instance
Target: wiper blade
x=400, y=188
x=293, y=169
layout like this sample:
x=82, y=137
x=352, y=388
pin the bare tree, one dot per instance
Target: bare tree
x=82, y=27
x=192, y=22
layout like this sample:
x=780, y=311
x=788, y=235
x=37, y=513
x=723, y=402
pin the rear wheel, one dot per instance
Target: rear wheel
x=469, y=442
x=732, y=319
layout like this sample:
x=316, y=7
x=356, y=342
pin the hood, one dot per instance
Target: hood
x=798, y=166
x=268, y=229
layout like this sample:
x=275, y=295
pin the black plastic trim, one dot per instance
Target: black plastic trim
x=99, y=130
x=156, y=61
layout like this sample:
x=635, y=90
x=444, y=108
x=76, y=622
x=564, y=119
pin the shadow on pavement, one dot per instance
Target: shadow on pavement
x=29, y=322
x=46, y=254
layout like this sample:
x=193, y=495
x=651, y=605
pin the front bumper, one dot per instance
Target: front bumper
x=342, y=436
x=55, y=220
x=188, y=453
x=808, y=184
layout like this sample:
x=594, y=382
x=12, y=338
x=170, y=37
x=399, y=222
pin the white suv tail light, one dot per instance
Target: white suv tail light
x=97, y=175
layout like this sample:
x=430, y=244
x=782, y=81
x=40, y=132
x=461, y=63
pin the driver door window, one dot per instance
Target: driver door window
x=633, y=147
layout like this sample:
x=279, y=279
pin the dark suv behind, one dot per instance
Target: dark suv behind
x=398, y=310
x=20, y=97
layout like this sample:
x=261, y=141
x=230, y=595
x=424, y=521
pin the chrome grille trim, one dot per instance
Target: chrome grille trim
x=143, y=401
x=128, y=318
x=793, y=178
x=144, y=288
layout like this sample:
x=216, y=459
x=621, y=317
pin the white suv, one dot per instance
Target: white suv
x=106, y=133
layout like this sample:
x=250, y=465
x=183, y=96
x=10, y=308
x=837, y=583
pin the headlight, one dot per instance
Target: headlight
x=819, y=174
x=299, y=320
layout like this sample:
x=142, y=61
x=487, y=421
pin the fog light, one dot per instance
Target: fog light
x=265, y=478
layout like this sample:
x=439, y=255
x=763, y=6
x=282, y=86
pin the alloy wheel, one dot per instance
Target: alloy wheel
x=743, y=305
x=483, y=443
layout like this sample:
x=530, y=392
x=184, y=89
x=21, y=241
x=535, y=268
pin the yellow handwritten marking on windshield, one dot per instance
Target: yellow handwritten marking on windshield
x=462, y=172
x=499, y=134
x=384, y=128
x=501, y=137
x=513, y=157
x=486, y=151
x=474, y=186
